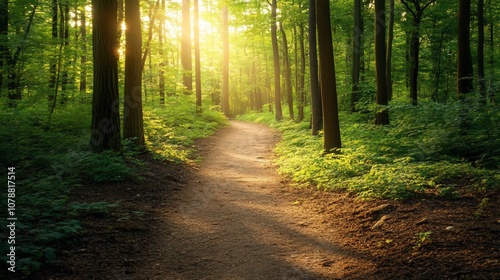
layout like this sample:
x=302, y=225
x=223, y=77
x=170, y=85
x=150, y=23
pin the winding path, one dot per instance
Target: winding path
x=234, y=218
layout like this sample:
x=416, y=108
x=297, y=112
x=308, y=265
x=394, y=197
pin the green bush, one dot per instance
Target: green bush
x=426, y=149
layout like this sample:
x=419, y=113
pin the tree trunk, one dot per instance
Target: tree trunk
x=492, y=54
x=197, y=62
x=382, y=115
x=133, y=127
x=276, y=59
x=356, y=54
x=64, y=8
x=163, y=63
x=388, y=58
x=331, y=130
x=53, y=64
x=105, y=128
x=83, y=58
x=414, y=62
x=186, y=59
x=225, y=62
x=316, y=110
x=288, y=73
x=480, y=51
x=302, y=74
x=464, y=63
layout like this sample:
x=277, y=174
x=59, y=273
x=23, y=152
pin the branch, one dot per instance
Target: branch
x=428, y=4
x=25, y=36
x=150, y=35
x=408, y=8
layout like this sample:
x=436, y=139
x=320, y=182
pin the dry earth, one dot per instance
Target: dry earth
x=232, y=217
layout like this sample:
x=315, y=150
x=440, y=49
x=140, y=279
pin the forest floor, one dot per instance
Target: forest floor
x=231, y=216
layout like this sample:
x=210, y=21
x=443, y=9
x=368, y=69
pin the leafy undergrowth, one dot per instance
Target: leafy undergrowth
x=51, y=159
x=432, y=149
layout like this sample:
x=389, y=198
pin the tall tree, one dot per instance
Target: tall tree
x=390, y=38
x=105, y=127
x=416, y=12
x=276, y=60
x=288, y=72
x=186, y=58
x=302, y=74
x=225, y=61
x=10, y=57
x=83, y=57
x=53, y=64
x=331, y=130
x=161, y=30
x=4, y=30
x=464, y=56
x=197, y=62
x=480, y=50
x=133, y=127
x=381, y=98
x=356, y=53
x=316, y=110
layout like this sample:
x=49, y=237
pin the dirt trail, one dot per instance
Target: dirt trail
x=234, y=219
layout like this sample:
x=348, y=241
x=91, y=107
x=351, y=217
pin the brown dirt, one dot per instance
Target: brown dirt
x=233, y=217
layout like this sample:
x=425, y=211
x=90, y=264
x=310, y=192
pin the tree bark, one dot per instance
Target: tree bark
x=480, y=51
x=316, y=110
x=161, y=30
x=133, y=127
x=197, y=62
x=382, y=115
x=83, y=58
x=388, y=58
x=288, y=73
x=186, y=58
x=356, y=54
x=105, y=127
x=331, y=130
x=302, y=74
x=276, y=60
x=464, y=56
x=225, y=62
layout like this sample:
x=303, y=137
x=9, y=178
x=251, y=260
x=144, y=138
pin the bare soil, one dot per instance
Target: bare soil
x=233, y=217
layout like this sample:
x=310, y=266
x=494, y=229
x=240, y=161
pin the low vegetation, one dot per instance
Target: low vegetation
x=51, y=159
x=430, y=149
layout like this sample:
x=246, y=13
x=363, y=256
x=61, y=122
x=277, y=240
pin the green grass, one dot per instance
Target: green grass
x=51, y=159
x=426, y=150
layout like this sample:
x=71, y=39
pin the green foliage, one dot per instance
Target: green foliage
x=171, y=130
x=51, y=158
x=424, y=238
x=425, y=150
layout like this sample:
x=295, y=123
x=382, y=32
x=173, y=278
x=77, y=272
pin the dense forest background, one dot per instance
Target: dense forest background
x=410, y=86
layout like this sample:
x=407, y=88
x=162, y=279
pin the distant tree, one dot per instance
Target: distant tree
x=133, y=127
x=390, y=38
x=464, y=56
x=197, y=61
x=105, y=126
x=276, y=60
x=331, y=130
x=480, y=51
x=356, y=53
x=225, y=61
x=288, y=72
x=316, y=110
x=161, y=30
x=83, y=57
x=186, y=58
x=381, y=98
x=416, y=10
x=10, y=57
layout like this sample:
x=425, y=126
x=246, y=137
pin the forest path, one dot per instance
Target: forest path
x=235, y=218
